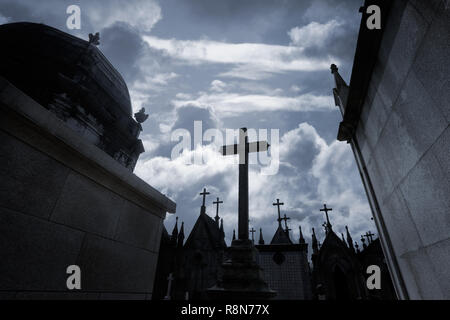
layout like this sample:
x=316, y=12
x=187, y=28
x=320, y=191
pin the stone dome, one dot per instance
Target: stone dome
x=73, y=79
x=38, y=56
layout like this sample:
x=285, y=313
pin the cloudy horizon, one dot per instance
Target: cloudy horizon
x=231, y=64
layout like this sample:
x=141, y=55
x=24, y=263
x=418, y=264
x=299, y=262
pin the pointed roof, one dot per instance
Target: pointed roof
x=349, y=240
x=175, y=228
x=261, y=240
x=314, y=244
x=301, y=239
x=181, y=235
x=281, y=237
x=234, y=234
x=174, y=237
x=215, y=235
x=333, y=242
x=221, y=228
x=165, y=237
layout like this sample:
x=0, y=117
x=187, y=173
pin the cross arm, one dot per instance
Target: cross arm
x=252, y=147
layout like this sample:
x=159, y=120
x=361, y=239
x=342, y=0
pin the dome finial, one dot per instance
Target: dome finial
x=301, y=238
x=261, y=240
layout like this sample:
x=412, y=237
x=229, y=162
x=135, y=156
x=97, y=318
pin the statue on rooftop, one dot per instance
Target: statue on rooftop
x=140, y=116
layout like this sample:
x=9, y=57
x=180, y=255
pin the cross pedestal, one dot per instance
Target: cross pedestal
x=242, y=277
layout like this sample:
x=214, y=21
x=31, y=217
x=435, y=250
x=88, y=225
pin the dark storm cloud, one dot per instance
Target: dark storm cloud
x=16, y=11
x=123, y=46
x=234, y=20
x=188, y=114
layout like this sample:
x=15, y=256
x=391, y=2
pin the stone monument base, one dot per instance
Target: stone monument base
x=242, y=277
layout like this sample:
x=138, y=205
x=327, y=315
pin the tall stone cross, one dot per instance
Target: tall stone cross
x=217, y=203
x=252, y=230
x=326, y=213
x=204, y=193
x=169, y=286
x=278, y=204
x=243, y=149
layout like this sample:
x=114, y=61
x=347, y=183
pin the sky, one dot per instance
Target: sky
x=260, y=64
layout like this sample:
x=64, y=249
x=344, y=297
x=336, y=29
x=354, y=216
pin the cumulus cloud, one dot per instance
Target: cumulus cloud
x=295, y=88
x=313, y=34
x=3, y=19
x=96, y=14
x=257, y=59
x=218, y=86
x=232, y=104
x=311, y=173
x=141, y=14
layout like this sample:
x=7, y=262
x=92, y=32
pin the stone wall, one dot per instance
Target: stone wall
x=65, y=202
x=404, y=139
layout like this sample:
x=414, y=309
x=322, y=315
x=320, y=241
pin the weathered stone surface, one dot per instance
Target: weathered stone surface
x=35, y=252
x=379, y=174
x=424, y=274
x=431, y=64
x=138, y=227
x=374, y=119
x=441, y=151
x=364, y=145
x=88, y=206
x=396, y=150
x=407, y=40
x=409, y=279
x=428, y=9
x=111, y=266
x=61, y=197
x=419, y=126
x=22, y=169
x=426, y=190
x=395, y=214
x=406, y=145
x=439, y=255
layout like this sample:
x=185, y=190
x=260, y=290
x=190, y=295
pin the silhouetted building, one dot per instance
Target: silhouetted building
x=195, y=265
x=340, y=270
x=68, y=196
x=396, y=116
x=285, y=265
